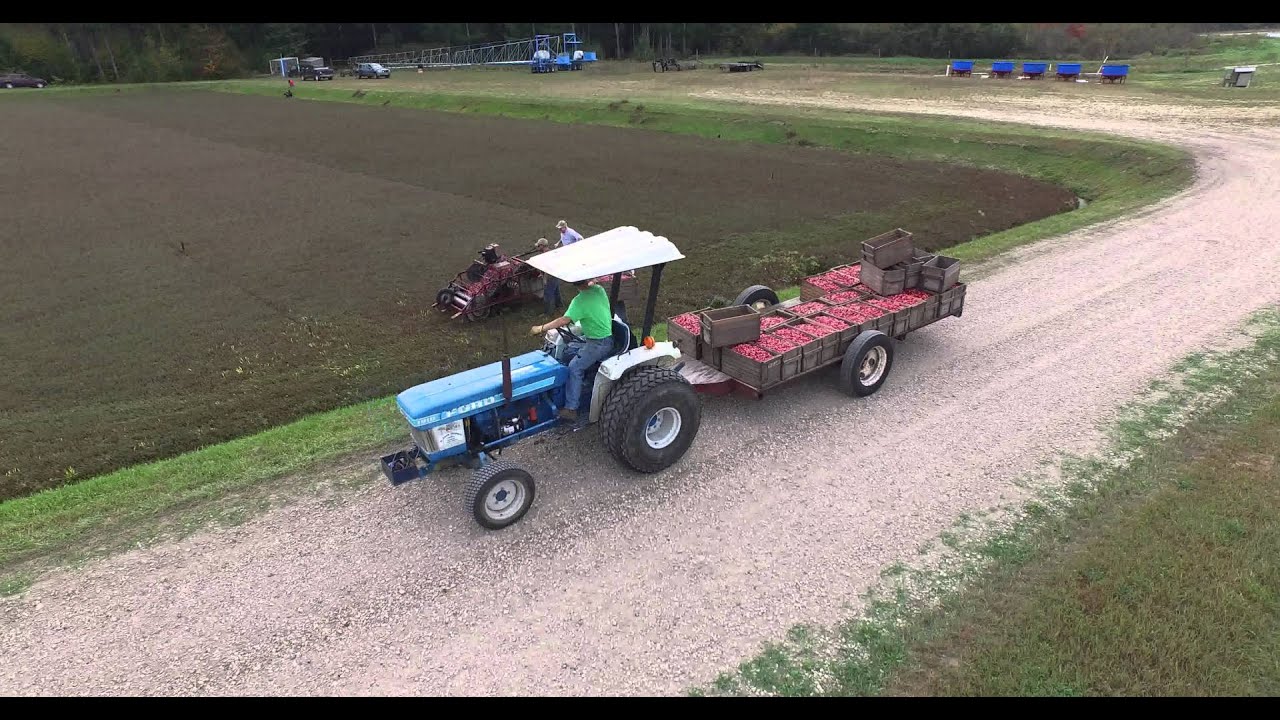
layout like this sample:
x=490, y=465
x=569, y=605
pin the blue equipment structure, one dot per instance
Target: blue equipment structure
x=512, y=52
x=1114, y=73
x=649, y=414
x=1034, y=70
x=961, y=68
x=1068, y=71
x=1002, y=69
x=543, y=55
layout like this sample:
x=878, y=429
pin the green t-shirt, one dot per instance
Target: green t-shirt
x=590, y=309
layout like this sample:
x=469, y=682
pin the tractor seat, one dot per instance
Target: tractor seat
x=623, y=340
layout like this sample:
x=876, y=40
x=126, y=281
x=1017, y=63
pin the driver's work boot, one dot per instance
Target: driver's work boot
x=570, y=415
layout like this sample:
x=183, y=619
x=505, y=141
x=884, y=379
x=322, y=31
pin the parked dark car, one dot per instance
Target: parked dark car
x=372, y=70
x=17, y=80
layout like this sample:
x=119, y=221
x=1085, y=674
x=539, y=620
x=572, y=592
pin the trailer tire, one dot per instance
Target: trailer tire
x=759, y=297
x=444, y=298
x=650, y=419
x=499, y=494
x=866, y=363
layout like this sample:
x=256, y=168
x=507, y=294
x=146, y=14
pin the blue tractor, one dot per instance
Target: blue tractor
x=647, y=412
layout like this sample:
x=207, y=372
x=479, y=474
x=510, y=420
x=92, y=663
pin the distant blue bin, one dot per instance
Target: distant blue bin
x=1034, y=69
x=589, y=56
x=1068, y=71
x=1001, y=69
x=562, y=60
x=1114, y=73
x=961, y=68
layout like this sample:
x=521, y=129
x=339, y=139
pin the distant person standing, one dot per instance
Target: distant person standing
x=568, y=235
x=550, y=291
x=289, y=92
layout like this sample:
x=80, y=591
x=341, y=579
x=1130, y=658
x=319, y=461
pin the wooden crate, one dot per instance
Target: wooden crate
x=775, y=312
x=886, y=250
x=848, y=334
x=730, y=326
x=791, y=362
x=810, y=291
x=824, y=350
x=759, y=375
x=689, y=344
x=883, y=282
x=940, y=273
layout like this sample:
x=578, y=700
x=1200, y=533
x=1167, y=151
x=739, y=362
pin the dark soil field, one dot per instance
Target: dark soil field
x=181, y=268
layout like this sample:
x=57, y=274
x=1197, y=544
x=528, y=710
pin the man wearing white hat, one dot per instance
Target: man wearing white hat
x=568, y=235
x=550, y=291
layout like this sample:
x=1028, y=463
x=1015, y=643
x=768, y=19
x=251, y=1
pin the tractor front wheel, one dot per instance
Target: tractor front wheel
x=650, y=419
x=499, y=494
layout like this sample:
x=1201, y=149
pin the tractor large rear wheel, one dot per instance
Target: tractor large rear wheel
x=650, y=419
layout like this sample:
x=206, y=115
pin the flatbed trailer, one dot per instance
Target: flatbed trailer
x=863, y=368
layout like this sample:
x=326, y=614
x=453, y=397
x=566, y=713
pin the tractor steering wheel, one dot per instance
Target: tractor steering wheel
x=568, y=335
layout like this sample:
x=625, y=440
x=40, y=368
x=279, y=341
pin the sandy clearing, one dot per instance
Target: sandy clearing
x=620, y=585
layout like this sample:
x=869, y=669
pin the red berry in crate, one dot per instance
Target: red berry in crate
x=771, y=321
x=689, y=322
x=824, y=282
x=776, y=343
x=817, y=329
x=829, y=321
x=808, y=308
x=752, y=351
x=847, y=296
x=796, y=337
x=845, y=278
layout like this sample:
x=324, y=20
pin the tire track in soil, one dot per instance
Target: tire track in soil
x=784, y=510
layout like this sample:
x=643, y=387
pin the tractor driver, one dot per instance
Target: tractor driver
x=590, y=309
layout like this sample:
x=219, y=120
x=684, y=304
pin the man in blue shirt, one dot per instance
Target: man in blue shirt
x=568, y=235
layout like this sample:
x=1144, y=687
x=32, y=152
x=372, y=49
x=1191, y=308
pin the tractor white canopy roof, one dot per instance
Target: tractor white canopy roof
x=618, y=250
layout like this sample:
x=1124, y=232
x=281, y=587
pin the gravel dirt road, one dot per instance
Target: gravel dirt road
x=784, y=512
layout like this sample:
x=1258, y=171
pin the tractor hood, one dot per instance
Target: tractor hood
x=468, y=393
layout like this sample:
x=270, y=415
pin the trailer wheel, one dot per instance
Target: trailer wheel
x=499, y=494
x=866, y=363
x=444, y=298
x=650, y=419
x=759, y=297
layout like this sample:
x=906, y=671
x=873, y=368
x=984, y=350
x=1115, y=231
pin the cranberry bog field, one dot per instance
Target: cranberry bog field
x=184, y=267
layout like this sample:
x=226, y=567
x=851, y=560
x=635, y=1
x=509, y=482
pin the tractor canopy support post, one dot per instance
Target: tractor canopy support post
x=652, y=300
x=614, y=291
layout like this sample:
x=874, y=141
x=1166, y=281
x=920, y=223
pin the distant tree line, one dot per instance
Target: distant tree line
x=150, y=52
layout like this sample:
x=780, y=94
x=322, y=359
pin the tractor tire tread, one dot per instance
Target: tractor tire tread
x=621, y=403
x=481, y=477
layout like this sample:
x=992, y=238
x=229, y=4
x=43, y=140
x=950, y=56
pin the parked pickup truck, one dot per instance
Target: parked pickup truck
x=314, y=68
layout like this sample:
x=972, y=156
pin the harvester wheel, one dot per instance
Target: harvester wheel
x=444, y=299
x=866, y=363
x=499, y=494
x=650, y=419
x=479, y=308
x=759, y=297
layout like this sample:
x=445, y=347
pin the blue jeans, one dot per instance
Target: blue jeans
x=551, y=295
x=589, y=353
